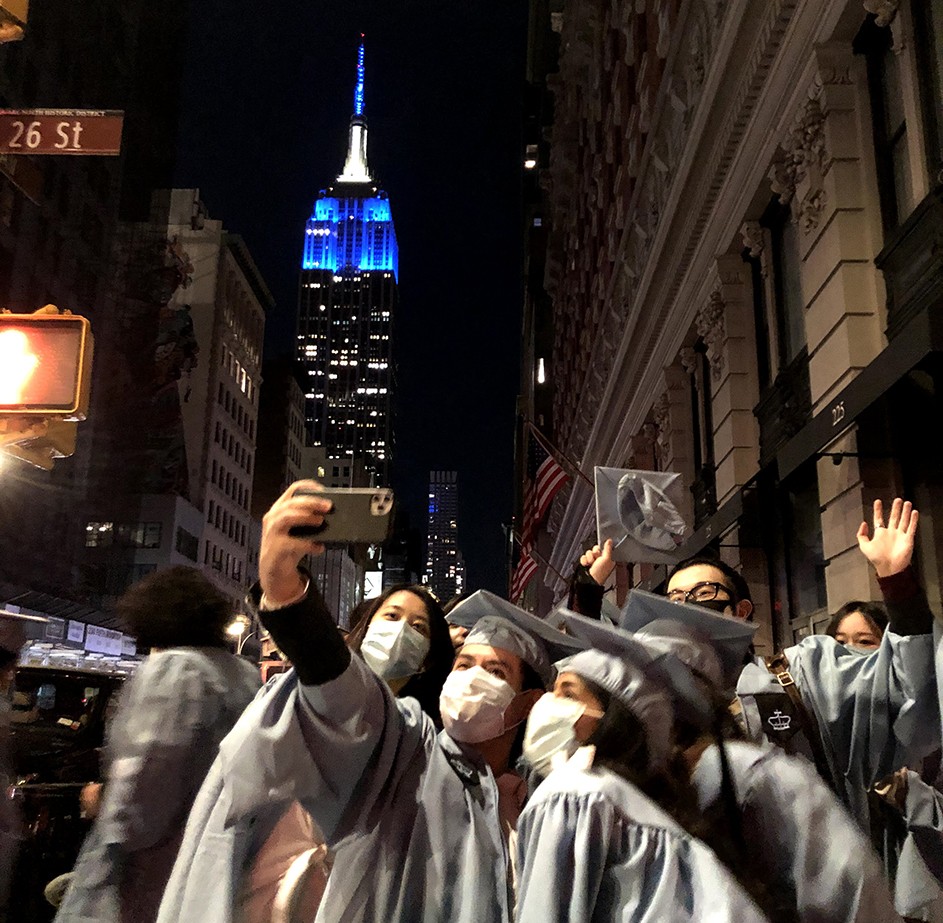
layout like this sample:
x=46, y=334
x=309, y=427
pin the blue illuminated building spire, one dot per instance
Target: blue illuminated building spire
x=351, y=228
x=358, y=91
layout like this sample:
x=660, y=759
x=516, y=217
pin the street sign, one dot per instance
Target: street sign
x=60, y=131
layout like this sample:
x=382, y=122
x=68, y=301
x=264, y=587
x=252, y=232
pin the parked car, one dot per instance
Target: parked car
x=57, y=732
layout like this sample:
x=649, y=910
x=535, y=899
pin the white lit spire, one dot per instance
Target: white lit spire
x=355, y=167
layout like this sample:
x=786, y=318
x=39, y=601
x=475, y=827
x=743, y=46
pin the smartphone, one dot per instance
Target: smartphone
x=360, y=514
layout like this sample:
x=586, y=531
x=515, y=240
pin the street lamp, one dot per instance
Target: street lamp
x=238, y=630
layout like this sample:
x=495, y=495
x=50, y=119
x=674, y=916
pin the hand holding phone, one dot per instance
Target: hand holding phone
x=358, y=514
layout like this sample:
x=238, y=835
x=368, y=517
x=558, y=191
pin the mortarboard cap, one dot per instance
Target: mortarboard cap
x=649, y=615
x=660, y=663
x=639, y=511
x=496, y=622
x=622, y=666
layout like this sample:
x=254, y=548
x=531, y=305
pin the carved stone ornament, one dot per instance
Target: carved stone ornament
x=806, y=142
x=753, y=237
x=811, y=210
x=803, y=150
x=711, y=327
x=884, y=10
x=688, y=357
x=661, y=414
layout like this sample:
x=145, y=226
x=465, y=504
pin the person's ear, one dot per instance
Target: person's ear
x=744, y=610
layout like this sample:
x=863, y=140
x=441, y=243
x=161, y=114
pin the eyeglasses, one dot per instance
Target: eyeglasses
x=701, y=592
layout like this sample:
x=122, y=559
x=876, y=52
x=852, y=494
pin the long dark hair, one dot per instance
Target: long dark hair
x=621, y=747
x=426, y=685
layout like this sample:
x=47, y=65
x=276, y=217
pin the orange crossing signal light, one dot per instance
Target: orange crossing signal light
x=45, y=364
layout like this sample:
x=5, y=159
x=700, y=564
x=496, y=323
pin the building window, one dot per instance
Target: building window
x=787, y=282
x=187, y=544
x=209, y=511
x=891, y=154
x=99, y=534
x=928, y=38
x=140, y=535
x=140, y=571
x=792, y=530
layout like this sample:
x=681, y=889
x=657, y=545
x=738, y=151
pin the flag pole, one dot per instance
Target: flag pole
x=542, y=560
x=556, y=453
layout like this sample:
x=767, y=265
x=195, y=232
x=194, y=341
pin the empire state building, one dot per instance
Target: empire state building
x=346, y=305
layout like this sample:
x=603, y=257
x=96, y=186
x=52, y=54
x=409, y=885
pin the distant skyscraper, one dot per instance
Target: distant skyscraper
x=346, y=303
x=445, y=567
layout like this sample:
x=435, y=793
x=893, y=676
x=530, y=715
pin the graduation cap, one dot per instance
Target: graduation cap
x=639, y=511
x=660, y=663
x=619, y=664
x=648, y=615
x=496, y=622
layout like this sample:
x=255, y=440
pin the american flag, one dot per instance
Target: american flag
x=543, y=482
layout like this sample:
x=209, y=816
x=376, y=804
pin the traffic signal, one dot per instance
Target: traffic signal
x=45, y=365
x=13, y=15
x=57, y=439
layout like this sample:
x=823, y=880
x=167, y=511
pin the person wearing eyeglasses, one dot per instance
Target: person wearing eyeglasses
x=857, y=714
x=861, y=714
x=713, y=584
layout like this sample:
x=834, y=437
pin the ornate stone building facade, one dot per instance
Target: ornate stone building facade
x=739, y=206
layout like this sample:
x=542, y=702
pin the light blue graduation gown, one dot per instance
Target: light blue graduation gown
x=410, y=814
x=173, y=713
x=801, y=840
x=875, y=712
x=918, y=892
x=592, y=847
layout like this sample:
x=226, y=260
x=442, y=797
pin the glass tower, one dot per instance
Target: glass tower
x=346, y=304
x=445, y=567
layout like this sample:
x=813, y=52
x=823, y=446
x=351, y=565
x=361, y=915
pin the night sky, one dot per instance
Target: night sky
x=268, y=92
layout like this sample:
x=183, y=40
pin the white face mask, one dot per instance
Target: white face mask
x=473, y=703
x=394, y=650
x=551, y=729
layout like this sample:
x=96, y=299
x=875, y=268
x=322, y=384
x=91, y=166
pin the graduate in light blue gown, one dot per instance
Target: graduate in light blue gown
x=907, y=811
x=797, y=838
x=12, y=639
x=419, y=820
x=872, y=712
x=240, y=868
x=172, y=714
x=593, y=844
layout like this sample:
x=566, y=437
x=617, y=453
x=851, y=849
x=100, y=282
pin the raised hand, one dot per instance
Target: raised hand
x=599, y=561
x=891, y=548
x=280, y=553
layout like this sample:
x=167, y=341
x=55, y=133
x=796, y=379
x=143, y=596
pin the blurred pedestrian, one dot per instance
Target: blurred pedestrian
x=12, y=639
x=173, y=712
